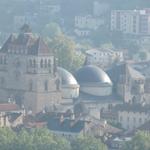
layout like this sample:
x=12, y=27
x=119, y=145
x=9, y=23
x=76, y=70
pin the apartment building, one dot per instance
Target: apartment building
x=136, y=22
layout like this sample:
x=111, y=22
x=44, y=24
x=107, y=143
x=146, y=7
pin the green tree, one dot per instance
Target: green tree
x=140, y=141
x=143, y=55
x=88, y=143
x=51, y=30
x=101, y=36
x=64, y=50
x=7, y=138
x=36, y=139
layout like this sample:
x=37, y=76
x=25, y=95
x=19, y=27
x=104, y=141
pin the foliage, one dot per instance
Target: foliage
x=140, y=141
x=88, y=143
x=36, y=139
x=64, y=50
x=100, y=36
x=51, y=30
x=42, y=139
x=143, y=55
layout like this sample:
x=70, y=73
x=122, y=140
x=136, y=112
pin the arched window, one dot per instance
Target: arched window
x=46, y=85
x=49, y=63
x=41, y=63
x=2, y=81
x=1, y=60
x=30, y=63
x=45, y=63
x=34, y=63
x=5, y=60
x=30, y=85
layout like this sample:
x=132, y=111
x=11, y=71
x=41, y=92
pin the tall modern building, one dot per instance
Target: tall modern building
x=28, y=72
x=136, y=22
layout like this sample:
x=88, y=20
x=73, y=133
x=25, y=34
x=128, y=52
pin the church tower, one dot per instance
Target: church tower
x=27, y=73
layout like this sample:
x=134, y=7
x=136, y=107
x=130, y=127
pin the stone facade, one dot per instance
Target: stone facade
x=27, y=72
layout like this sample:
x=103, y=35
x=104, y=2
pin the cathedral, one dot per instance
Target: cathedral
x=28, y=72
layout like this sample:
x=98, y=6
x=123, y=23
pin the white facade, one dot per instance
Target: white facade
x=82, y=32
x=70, y=91
x=97, y=90
x=131, y=120
x=103, y=58
x=131, y=21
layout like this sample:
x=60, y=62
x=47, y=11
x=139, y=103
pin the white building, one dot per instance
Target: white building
x=132, y=116
x=131, y=21
x=84, y=24
x=103, y=57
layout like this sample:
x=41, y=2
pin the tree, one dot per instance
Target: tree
x=100, y=36
x=140, y=141
x=88, y=143
x=143, y=55
x=52, y=30
x=36, y=139
x=64, y=50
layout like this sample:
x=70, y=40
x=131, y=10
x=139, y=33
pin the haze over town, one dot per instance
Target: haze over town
x=74, y=75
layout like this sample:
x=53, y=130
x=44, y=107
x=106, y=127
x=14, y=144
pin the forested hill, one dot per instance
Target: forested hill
x=128, y=4
x=85, y=5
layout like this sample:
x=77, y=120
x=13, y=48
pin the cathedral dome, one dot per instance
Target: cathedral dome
x=94, y=81
x=92, y=74
x=70, y=87
x=66, y=77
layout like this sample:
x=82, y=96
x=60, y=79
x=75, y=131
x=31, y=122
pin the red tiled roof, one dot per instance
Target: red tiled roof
x=9, y=107
x=32, y=45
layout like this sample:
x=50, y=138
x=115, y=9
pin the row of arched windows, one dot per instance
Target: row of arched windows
x=44, y=63
x=3, y=60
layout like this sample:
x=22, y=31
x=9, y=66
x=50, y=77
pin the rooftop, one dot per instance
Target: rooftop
x=133, y=108
x=25, y=43
x=9, y=107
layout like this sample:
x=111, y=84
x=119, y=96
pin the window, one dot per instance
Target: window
x=45, y=63
x=49, y=63
x=5, y=60
x=41, y=63
x=1, y=60
x=134, y=119
x=140, y=120
x=2, y=81
x=121, y=118
x=46, y=85
x=34, y=63
x=30, y=85
x=30, y=63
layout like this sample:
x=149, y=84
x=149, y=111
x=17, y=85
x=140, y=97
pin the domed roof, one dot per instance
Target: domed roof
x=66, y=77
x=92, y=74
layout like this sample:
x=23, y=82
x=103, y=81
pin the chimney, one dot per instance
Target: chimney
x=72, y=117
x=61, y=119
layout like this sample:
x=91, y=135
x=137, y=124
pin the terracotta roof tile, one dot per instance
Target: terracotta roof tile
x=9, y=107
x=28, y=42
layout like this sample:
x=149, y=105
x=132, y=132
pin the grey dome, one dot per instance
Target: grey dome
x=90, y=74
x=66, y=77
